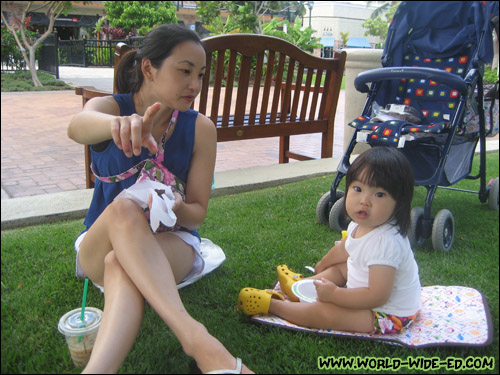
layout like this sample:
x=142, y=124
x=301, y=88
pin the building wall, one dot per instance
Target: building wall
x=330, y=18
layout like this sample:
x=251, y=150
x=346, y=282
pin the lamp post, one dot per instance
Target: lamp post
x=310, y=6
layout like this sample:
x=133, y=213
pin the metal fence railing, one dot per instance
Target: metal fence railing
x=91, y=52
x=11, y=65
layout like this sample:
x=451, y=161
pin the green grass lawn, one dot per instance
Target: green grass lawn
x=257, y=230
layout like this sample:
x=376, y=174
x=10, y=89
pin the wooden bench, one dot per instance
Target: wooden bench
x=258, y=86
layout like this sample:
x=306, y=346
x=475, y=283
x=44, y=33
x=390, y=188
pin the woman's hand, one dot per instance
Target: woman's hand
x=137, y=129
x=178, y=201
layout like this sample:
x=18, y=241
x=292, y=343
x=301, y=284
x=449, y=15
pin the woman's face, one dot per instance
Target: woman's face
x=178, y=80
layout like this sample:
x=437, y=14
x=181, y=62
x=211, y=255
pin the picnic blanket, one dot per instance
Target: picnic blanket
x=450, y=316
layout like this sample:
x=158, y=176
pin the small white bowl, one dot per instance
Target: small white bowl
x=305, y=290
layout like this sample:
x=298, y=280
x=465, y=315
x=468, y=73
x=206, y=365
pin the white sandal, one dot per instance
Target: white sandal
x=237, y=370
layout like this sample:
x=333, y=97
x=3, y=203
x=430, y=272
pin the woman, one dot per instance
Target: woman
x=118, y=250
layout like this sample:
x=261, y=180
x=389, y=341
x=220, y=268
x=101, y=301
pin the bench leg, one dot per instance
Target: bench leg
x=284, y=148
x=327, y=144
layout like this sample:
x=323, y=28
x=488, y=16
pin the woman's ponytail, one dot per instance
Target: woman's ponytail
x=129, y=75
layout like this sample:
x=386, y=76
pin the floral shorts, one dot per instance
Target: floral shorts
x=387, y=323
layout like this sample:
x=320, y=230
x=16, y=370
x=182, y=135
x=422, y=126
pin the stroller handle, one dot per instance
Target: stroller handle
x=403, y=72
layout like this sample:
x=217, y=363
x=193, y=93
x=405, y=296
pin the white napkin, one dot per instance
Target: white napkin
x=161, y=206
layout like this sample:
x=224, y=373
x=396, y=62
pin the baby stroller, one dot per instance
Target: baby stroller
x=425, y=101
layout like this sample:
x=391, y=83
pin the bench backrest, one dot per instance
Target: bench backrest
x=262, y=80
x=259, y=86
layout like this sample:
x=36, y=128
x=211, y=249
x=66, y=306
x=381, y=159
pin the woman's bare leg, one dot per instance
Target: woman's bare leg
x=121, y=321
x=123, y=228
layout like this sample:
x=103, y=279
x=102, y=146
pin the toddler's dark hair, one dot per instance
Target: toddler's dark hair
x=157, y=45
x=387, y=168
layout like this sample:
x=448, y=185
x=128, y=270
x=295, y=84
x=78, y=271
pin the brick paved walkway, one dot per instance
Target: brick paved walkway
x=39, y=158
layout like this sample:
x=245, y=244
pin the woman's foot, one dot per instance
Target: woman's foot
x=210, y=354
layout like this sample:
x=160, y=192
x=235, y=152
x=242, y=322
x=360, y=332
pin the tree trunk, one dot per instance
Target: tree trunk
x=32, y=68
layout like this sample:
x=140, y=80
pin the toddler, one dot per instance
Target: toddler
x=369, y=282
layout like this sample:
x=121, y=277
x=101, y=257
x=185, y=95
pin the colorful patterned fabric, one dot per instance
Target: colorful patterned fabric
x=388, y=133
x=437, y=102
x=450, y=316
x=387, y=323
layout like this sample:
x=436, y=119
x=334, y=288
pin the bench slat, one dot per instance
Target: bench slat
x=277, y=88
x=229, y=87
x=219, y=73
x=241, y=98
x=233, y=133
x=267, y=85
x=297, y=92
x=256, y=87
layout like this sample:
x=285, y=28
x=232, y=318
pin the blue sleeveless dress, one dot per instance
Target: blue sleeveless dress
x=111, y=161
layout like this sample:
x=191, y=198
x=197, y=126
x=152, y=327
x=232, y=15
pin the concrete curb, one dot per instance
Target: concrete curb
x=45, y=208
x=70, y=205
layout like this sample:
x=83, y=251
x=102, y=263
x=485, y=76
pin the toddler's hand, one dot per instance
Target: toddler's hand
x=325, y=289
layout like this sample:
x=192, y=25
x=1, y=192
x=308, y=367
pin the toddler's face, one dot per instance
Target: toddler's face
x=369, y=206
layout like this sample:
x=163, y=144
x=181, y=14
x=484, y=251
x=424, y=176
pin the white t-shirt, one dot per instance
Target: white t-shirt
x=385, y=246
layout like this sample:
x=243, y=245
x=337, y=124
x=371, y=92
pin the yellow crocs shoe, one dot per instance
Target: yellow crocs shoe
x=287, y=278
x=256, y=301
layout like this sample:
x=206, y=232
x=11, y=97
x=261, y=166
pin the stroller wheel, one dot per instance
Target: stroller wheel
x=415, y=235
x=324, y=206
x=493, y=195
x=443, y=231
x=338, y=218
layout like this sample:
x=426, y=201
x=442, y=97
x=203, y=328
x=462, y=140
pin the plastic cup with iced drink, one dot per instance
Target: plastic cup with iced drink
x=80, y=336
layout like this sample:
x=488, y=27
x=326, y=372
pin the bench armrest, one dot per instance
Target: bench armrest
x=89, y=92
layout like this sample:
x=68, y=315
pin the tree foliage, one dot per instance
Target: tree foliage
x=344, y=37
x=383, y=8
x=378, y=26
x=18, y=25
x=294, y=34
x=248, y=15
x=140, y=16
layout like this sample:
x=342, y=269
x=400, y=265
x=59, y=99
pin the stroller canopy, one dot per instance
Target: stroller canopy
x=437, y=29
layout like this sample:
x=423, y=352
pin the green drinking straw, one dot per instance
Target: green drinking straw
x=84, y=300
